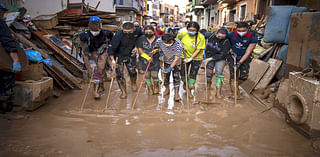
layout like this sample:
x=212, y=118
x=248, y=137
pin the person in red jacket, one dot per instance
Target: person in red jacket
x=157, y=29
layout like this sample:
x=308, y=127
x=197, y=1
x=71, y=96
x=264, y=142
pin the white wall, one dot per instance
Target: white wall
x=46, y=7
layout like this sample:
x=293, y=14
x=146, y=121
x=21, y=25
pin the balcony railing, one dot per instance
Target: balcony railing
x=127, y=3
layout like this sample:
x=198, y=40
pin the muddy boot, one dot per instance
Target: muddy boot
x=123, y=89
x=150, y=90
x=167, y=91
x=96, y=93
x=101, y=87
x=209, y=82
x=133, y=80
x=191, y=83
x=232, y=87
x=176, y=94
x=156, y=89
x=219, y=82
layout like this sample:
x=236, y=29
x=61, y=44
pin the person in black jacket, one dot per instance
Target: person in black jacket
x=7, y=79
x=122, y=44
x=96, y=42
x=218, y=47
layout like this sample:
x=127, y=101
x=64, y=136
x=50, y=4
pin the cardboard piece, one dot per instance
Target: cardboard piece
x=257, y=69
x=304, y=39
x=268, y=76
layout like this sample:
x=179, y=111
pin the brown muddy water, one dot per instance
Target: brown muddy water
x=59, y=129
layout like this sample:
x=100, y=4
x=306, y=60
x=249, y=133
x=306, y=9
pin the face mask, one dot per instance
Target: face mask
x=192, y=33
x=95, y=33
x=129, y=35
x=168, y=45
x=137, y=27
x=149, y=35
x=154, y=27
x=242, y=33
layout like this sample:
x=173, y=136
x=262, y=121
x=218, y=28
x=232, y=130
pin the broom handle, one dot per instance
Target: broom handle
x=112, y=79
x=145, y=73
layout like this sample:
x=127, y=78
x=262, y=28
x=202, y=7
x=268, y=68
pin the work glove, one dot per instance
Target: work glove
x=154, y=51
x=165, y=71
x=145, y=56
x=16, y=67
x=238, y=64
x=113, y=64
x=134, y=52
x=208, y=60
x=187, y=60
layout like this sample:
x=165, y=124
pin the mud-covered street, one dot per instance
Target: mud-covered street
x=223, y=129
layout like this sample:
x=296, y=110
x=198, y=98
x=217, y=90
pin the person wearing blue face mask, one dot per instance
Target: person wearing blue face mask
x=194, y=43
x=242, y=43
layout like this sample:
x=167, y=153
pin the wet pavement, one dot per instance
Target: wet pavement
x=220, y=129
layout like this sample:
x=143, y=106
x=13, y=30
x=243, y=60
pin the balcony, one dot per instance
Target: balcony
x=130, y=5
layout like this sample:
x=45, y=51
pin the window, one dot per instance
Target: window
x=171, y=19
x=121, y=2
x=166, y=10
x=243, y=8
x=171, y=11
x=232, y=15
x=166, y=20
x=147, y=6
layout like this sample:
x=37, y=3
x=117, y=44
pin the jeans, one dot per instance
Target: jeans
x=218, y=65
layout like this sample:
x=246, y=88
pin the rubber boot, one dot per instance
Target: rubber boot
x=176, y=94
x=101, y=87
x=150, y=90
x=156, y=89
x=232, y=87
x=219, y=82
x=133, y=80
x=209, y=82
x=167, y=91
x=191, y=83
x=123, y=89
x=96, y=93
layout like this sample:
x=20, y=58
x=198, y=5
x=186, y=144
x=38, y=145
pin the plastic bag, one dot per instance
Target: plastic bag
x=35, y=56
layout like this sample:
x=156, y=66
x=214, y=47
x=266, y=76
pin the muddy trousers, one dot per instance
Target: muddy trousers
x=194, y=67
x=242, y=71
x=176, y=76
x=219, y=67
x=130, y=63
x=7, y=81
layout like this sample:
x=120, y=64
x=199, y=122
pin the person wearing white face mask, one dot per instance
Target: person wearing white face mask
x=242, y=43
x=171, y=49
x=194, y=43
x=95, y=41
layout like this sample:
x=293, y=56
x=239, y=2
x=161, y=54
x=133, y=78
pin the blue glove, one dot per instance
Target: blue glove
x=16, y=67
x=169, y=69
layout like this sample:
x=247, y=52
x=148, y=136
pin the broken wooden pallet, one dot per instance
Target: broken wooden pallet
x=257, y=69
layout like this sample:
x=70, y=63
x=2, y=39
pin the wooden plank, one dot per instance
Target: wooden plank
x=268, y=76
x=70, y=78
x=257, y=69
x=69, y=64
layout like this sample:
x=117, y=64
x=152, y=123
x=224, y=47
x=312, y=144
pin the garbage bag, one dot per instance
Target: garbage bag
x=35, y=56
